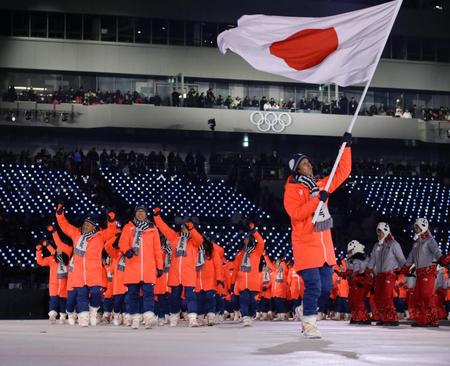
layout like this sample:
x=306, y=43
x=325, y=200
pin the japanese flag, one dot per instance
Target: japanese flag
x=342, y=49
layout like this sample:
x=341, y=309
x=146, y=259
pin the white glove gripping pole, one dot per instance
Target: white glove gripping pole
x=355, y=116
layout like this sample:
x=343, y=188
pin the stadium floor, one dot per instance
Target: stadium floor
x=36, y=343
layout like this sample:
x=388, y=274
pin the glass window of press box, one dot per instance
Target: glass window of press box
x=179, y=33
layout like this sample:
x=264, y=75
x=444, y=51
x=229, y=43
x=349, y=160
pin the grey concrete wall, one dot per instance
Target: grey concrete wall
x=101, y=57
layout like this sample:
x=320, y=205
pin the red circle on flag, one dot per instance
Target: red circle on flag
x=306, y=48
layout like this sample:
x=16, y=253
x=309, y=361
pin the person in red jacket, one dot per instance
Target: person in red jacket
x=279, y=274
x=87, y=279
x=142, y=264
x=57, y=280
x=162, y=289
x=246, y=274
x=312, y=244
x=182, y=273
x=209, y=276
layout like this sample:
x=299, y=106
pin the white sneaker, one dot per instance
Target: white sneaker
x=309, y=325
x=117, y=319
x=237, y=316
x=126, y=319
x=71, y=318
x=247, y=321
x=62, y=318
x=149, y=319
x=52, y=316
x=174, y=319
x=93, y=316
x=193, y=320
x=135, y=321
x=83, y=319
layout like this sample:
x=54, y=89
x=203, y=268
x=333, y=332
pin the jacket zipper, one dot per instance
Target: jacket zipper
x=323, y=246
x=141, y=253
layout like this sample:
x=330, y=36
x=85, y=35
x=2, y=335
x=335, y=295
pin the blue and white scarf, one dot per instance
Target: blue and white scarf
x=246, y=264
x=200, y=258
x=168, y=257
x=182, y=245
x=62, y=268
x=81, y=247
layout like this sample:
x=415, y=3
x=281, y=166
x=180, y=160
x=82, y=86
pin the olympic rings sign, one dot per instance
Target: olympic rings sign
x=266, y=121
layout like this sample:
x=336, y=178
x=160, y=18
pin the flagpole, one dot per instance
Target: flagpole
x=355, y=115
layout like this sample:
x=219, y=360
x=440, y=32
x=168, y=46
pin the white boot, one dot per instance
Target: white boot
x=247, y=321
x=52, y=316
x=320, y=316
x=83, y=319
x=62, y=318
x=258, y=316
x=347, y=316
x=117, y=319
x=219, y=318
x=126, y=319
x=135, y=321
x=193, y=320
x=201, y=320
x=149, y=319
x=401, y=316
x=174, y=319
x=407, y=314
x=237, y=316
x=337, y=316
x=166, y=319
x=309, y=325
x=299, y=312
x=448, y=317
x=93, y=315
x=211, y=319
x=270, y=315
x=282, y=316
x=184, y=315
x=226, y=314
x=71, y=318
x=161, y=322
x=106, y=318
x=264, y=316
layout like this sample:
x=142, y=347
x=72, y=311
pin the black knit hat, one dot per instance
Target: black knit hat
x=295, y=161
x=141, y=207
x=93, y=219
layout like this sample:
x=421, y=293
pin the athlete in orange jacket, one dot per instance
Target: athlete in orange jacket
x=279, y=274
x=142, y=263
x=246, y=275
x=209, y=277
x=162, y=289
x=182, y=274
x=312, y=244
x=296, y=291
x=87, y=277
x=57, y=279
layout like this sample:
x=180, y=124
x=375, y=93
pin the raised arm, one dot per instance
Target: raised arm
x=165, y=229
x=195, y=235
x=67, y=249
x=71, y=231
x=40, y=260
x=109, y=247
x=269, y=262
x=109, y=232
x=259, y=242
x=157, y=250
x=343, y=170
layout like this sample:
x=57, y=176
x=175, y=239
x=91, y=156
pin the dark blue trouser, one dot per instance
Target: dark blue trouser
x=400, y=304
x=175, y=299
x=119, y=304
x=279, y=304
x=148, y=297
x=318, y=285
x=88, y=296
x=206, y=302
x=235, y=302
x=220, y=304
x=342, y=305
x=296, y=303
x=71, y=300
x=247, y=303
x=264, y=305
x=57, y=304
x=162, y=306
x=108, y=305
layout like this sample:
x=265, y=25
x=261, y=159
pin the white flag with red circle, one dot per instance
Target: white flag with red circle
x=342, y=49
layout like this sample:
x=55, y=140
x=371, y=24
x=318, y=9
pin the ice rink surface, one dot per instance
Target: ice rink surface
x=36, y=343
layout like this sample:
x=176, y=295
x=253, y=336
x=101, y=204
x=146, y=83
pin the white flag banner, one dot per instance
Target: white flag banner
x=342, y=49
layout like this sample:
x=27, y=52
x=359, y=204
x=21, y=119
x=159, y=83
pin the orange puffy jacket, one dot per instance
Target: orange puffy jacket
x=295, y=284
x=141, y=267
x=279, y=289
x=266, y=288
x=87, y=269
x=115, y=254
x=211, y=272
x=67, y=249
x=249, y=280
x=228, y=277
x=312, y=249
x=182, y=269
x=56, y=286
